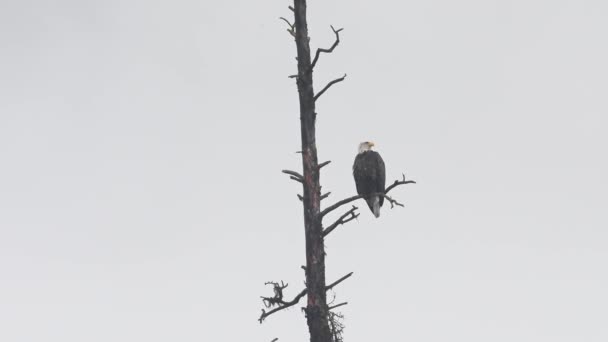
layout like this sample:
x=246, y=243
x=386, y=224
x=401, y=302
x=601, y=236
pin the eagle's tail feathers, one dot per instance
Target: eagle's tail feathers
x=376, y=206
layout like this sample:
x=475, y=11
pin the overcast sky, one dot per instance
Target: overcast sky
x=141, y=144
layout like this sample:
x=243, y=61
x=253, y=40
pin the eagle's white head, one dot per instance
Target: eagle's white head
x=365, y=146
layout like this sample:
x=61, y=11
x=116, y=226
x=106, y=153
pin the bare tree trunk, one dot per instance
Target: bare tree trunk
x=316, y=310
x=323, y=324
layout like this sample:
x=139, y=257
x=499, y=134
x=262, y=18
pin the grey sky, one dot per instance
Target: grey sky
x=141, y=144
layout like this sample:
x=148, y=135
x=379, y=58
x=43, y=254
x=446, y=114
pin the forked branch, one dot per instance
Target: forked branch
x=393, y=202
x=291, y=28
x=278, y=294
x=397, y=183
x=329, y=85
x=330, y=50
x=345, y=218
x=356, y=197
x=287, y=21
x=278, y=302
x=294, y=175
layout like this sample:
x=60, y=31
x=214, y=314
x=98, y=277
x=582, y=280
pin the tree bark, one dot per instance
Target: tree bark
x=316, y=309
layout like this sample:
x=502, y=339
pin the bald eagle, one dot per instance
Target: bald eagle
x=370, y=177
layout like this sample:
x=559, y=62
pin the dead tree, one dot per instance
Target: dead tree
x=323, y=324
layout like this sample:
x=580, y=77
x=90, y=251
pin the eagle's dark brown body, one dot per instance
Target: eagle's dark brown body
x=370, y=178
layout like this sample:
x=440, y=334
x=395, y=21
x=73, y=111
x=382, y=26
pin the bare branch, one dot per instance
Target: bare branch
x=291, y=28
x=356, y=197
x=277, y=299
x=287, y=21
x=392, y=201
x=291, y=8
x=325, y=195
x=278, y=293
x=397, y=183
x=293, y=173
x=330, y=50
x=345, y=218
x=300, y=197
x=330, y=286
x=324, y=163
x=337, y=305
x=339, y=204
x=329, y=85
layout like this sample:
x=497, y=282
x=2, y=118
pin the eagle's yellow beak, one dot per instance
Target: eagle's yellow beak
x=371, y=144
